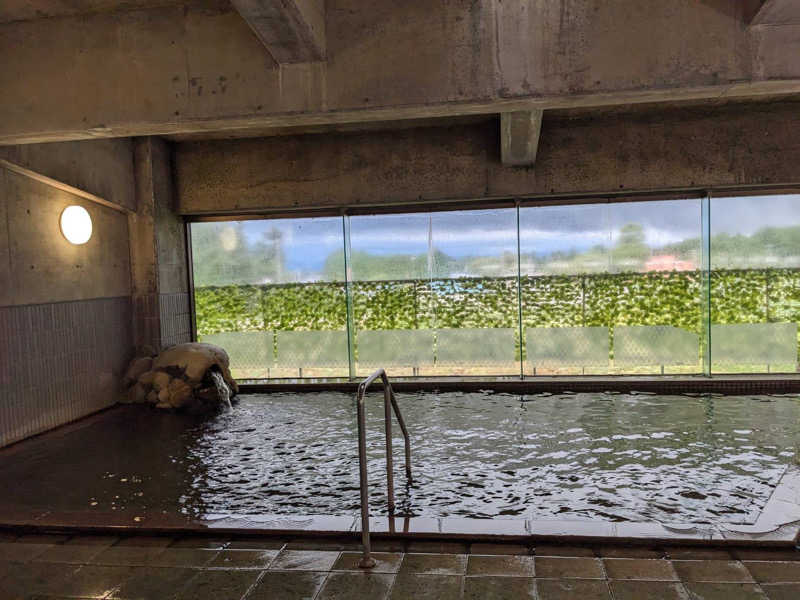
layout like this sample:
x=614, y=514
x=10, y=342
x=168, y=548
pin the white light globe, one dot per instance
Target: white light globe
x=76, y=225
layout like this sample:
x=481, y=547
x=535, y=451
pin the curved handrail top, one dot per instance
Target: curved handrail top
x=362, y=387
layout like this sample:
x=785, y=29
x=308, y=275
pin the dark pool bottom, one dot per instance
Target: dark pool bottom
x=611, y=457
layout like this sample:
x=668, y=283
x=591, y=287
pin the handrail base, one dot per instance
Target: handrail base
x=366, y=563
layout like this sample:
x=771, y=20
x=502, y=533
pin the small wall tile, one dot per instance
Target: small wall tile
x=60, y=361
x=174, y=319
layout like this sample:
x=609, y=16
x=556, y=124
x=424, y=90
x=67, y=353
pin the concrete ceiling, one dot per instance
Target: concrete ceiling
x=24, y=10
x=177, y=68
x=778, y=12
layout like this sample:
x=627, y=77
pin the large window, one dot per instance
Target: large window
x=612, y=288
x=755, y=283
x=272, y=293
x=683, y=286
x=436, y=293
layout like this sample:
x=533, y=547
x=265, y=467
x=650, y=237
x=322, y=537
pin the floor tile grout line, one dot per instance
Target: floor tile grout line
x=187, y=583
x=321, y=585
x=606, y=578
x=253, y=585
x=274, y=558
x=760, y=588
x=394, y=576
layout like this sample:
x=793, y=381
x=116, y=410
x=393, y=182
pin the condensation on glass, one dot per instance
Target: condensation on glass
x=272, y=293
x=682, y=286
x=392, y=262
x=436, y=293
x=755, y=283
x=611, y=288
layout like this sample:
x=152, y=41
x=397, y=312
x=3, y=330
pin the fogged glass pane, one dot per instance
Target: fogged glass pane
x=475, y=287
x=265, y=275
x=652, y=237
x=391, y=247
x=263, y=252
x=655, y=345
x=755, y=344
x=391, y=260
x=395, y=348
x=755, y=279
x=750, y=232
x=475, y=243
x=475, y=346
x=564, y=240
x=446, y=270
x=610, y=265
x=310, y=349
x=250, y=351
x=558, y=347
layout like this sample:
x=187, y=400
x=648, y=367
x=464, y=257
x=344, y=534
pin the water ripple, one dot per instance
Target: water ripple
x=579, y=456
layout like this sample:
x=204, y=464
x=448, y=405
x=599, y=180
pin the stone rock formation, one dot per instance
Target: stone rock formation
x=195, y=377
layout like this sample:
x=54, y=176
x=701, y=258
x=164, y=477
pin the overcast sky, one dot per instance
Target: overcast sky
x=543, y=230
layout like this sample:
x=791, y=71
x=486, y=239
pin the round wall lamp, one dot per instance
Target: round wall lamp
x=76, y=224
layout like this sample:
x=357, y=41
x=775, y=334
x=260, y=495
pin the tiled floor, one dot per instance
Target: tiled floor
x=163, y=568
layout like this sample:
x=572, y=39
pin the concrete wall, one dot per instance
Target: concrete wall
x=101, y=167
x=158, y=250
x=65, y=310
x=724, y=146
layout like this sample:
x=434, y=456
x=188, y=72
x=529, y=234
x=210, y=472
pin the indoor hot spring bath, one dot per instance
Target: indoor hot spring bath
x=592, y=457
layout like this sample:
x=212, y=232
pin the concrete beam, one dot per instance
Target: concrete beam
x=777, y=12
x=239, y=126
x=292, y=30
x=657, y=150
x=519, y=137
x=64, y=187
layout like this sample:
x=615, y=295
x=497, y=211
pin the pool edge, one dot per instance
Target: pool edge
x=663, y=384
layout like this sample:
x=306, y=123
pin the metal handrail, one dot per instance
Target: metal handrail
x=389, y=403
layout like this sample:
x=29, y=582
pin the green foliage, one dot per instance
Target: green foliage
x=475, y=303
x=662, y=298
x=229, y=308
x=552, y=301
x=740, y=296
x=298, y=307
x=392, y=305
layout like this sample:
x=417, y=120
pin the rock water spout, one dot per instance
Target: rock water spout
x=194, y=377
x=223, y=392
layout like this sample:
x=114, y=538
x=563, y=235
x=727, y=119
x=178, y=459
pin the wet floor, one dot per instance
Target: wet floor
x=611, y=457
x=194, y=568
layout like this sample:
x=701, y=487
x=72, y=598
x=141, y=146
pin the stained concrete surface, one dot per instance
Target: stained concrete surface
x=168, y=69
x=657, y=149
x=101, y=167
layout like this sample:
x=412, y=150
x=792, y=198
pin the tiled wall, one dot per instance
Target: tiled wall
x=60, y=361
x=175, y=316
x=146, y=315
x=162, y=320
